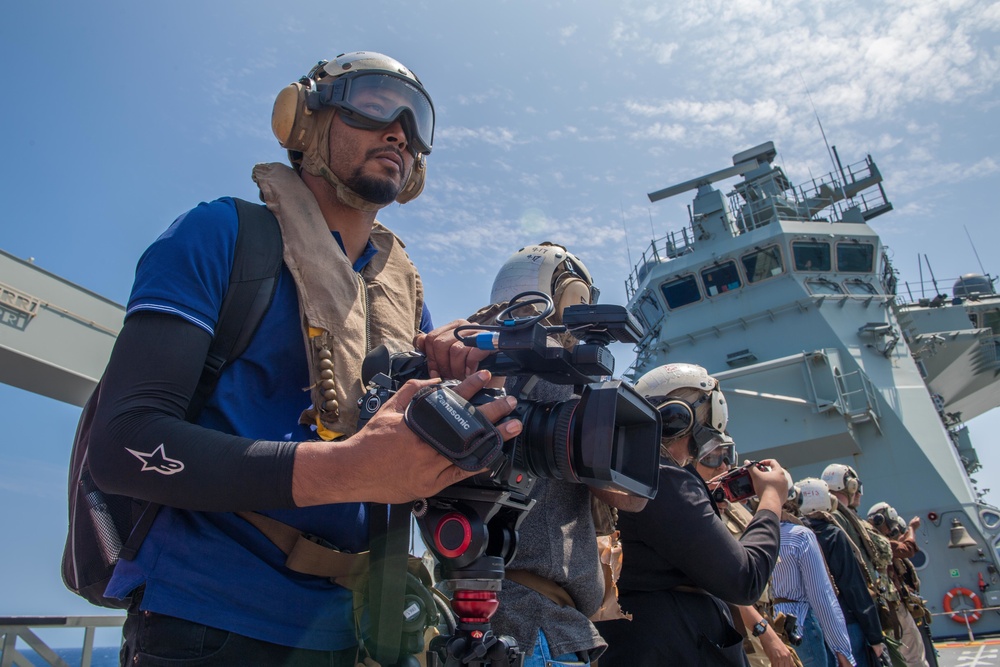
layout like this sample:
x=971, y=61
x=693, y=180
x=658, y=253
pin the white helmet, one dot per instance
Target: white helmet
x=548, y=268
x=794, y=492
x=657, y=385
x=815, y=495
x=883, y=514
x=842, y=478
x=304, y=110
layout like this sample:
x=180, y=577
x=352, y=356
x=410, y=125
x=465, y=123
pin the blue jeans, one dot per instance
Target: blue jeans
x=812, y=650
x=541, y=657
x=859, y=647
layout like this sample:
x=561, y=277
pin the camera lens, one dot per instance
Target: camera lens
x=546, y=443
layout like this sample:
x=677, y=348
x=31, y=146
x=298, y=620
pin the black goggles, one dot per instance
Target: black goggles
x=723, y=454
x=678, y=416
x=372, y=100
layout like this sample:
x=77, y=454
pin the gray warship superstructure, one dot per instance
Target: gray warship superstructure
x=786, y=294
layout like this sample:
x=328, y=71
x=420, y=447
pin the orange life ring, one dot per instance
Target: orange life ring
x=961, y=615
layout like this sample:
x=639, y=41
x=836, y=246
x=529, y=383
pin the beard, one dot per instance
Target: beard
x=376, y=189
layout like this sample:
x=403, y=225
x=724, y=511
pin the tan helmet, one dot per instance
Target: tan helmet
x=304, y=110
x=548, y=268
x=815, y=495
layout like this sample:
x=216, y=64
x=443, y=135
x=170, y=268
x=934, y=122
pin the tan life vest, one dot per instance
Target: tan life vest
x=344, y=313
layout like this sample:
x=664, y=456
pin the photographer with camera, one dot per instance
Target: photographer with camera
x=207, y=585
x=554, y=583
x=765, y=644
x=682, y=567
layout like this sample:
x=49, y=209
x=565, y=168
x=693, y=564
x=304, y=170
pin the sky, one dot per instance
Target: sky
x=554, y=121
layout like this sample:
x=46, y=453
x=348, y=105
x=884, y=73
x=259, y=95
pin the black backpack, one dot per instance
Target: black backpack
x=104, y=528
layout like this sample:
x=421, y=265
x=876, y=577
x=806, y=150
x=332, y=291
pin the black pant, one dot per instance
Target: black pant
x=156, y=640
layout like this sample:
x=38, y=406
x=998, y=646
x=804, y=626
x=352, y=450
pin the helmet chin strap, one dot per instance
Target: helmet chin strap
x=315, y=160
x=347, y=196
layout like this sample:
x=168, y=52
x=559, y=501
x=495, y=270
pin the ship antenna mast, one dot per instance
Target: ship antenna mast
x=818, y=121
x=975, y=252
x=628, y=249
x=933, y=279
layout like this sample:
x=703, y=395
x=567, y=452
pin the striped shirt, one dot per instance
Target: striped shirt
x=801, y=575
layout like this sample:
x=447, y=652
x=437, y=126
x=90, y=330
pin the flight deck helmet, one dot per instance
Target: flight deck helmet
x=883, y=514
x=679, y=416
x=815, y=495
x=842, y=478
x=548, y=268
x=369, y=90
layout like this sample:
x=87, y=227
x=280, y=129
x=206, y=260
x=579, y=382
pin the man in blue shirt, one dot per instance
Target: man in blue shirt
x=278, y=436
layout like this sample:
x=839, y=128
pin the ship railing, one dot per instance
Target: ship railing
x=965, y=614
x=13, y=628
x=659, y=250
x=931, y=291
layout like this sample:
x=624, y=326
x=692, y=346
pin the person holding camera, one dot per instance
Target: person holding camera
x=208, y=586
x=554, y=583
x=765, y=644
x=682, y=567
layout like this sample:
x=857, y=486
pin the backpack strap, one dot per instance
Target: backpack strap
x=252, y=281
x=254, y=276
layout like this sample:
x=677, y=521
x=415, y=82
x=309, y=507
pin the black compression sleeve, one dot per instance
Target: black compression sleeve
x=141, y=446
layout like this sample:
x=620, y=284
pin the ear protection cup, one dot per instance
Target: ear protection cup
x=678, y=418
x=291, y=121
x=570, y=291
x=850, y=483
x=415, y=184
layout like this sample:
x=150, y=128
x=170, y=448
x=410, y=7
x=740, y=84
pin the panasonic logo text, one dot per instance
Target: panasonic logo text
x=442, y=400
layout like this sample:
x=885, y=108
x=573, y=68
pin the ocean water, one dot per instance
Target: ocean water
x=103, y=656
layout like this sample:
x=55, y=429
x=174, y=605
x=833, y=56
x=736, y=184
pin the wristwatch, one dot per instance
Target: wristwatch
x=760, y=627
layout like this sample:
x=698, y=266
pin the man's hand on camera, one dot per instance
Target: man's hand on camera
x=771, y=486
x=447, y=357
x=386, y=462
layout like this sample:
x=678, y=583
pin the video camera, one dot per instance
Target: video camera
x=607, y=435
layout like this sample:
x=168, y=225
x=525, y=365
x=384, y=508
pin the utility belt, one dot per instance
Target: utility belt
x=311, y=555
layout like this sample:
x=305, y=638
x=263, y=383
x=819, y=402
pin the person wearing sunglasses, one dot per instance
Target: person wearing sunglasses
x=763, y=644
x=278, y=440
x=682, y=568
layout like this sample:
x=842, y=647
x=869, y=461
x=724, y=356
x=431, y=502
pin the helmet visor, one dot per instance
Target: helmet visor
x=372, y=100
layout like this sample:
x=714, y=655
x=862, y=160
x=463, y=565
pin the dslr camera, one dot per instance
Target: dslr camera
x=737, y=484
x=607, y=435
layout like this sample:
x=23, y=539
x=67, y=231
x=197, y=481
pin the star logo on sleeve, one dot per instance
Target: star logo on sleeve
x=157, y=461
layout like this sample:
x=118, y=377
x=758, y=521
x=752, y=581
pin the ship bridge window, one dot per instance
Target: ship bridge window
x=681, y=291
x=648, y=310
x=855, y=257
x=811, y=255
x=762, y=264
x=722, y=278
x=991, y=320
x=823, y=286
x=860, y=287
x=990, y=518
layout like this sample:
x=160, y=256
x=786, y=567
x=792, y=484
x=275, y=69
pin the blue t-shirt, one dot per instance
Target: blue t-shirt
x=215, y=568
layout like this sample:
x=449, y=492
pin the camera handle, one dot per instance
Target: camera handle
x=473, y=533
